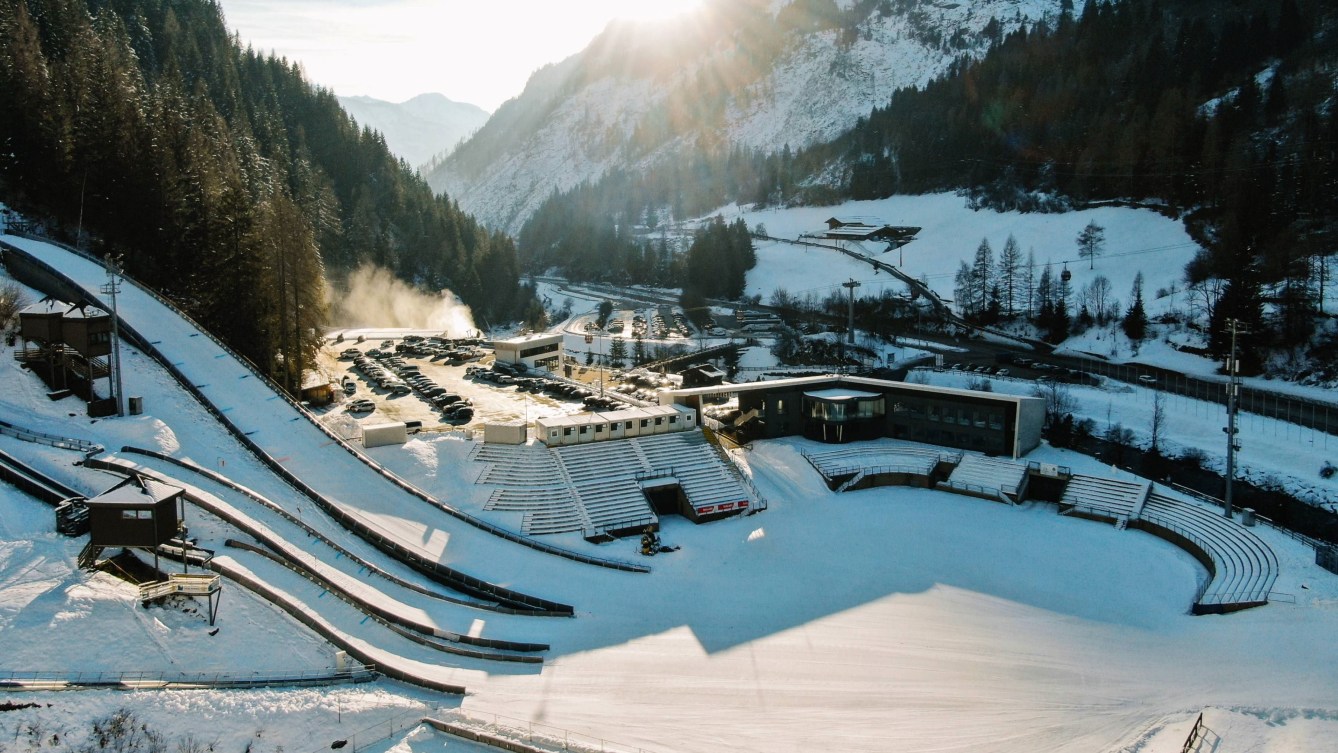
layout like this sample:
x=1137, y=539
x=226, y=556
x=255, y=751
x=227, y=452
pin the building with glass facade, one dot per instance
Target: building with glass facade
x=845, y=409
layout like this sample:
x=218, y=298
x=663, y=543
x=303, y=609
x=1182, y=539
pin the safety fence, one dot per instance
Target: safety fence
x=14, y=680
x=50, y=440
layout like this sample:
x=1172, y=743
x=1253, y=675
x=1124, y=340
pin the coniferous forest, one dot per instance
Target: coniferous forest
x=220, y=175
x=1218, y=112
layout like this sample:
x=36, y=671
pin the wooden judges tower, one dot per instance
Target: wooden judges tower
x=140, y=513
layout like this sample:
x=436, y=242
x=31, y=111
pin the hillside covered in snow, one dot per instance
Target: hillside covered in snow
x=738, y=73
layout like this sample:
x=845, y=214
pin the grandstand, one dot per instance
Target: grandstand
x=991, y=478
x=863, y=466
x=602, y=488
x=1241, y=568
x=1110, y=499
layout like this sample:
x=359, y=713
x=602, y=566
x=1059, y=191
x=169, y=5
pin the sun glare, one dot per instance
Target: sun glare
x=656, y=10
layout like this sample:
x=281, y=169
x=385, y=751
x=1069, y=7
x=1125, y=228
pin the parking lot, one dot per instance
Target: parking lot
x=393, y=398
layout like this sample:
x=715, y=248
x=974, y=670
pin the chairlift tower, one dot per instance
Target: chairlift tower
x=1233, y=394
x=112, y=288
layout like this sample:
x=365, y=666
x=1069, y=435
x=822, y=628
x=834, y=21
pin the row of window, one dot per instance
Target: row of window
x=845, y=411
x=599, y=428
x=960, y=416
x=137, y=515
x=538, y=349
x=929, y=435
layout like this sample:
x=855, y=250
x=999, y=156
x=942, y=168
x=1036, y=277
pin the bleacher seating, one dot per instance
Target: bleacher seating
x=704, y=477
x=992, y=476
x=1112, y=498
x=1243, y=568
x=884, y=457
x=596, y=487
x=531, y=484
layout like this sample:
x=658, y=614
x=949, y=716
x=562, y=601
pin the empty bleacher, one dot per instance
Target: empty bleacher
x=597, y=487
x=989, y=477
x=602, y=476
x=1241, y=566
x=849, y=462
x=1109, y=498
x=531, y=484
x=706, y=479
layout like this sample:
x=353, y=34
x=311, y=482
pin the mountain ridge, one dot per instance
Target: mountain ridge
x=755, y=77
x=420, y=128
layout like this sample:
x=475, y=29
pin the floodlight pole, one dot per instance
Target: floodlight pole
x=1233, y=393
x=113, y=287
x=850, y=332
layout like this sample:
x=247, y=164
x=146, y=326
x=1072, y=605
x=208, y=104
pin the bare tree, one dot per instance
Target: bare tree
x=1091, y=242
x=12, y=300
x=1158, y=420
x=1058, y=400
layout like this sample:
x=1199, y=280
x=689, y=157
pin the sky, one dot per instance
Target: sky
x=476, y=51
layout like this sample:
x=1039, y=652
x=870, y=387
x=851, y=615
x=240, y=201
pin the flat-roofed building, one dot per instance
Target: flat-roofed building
x=580, y=428
x=844, y=409
x=542, y=351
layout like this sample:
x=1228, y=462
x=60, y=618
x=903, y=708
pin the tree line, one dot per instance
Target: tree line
x=220, y=176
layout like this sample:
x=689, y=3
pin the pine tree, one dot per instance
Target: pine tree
x=618, y=353
x=982, y=278
x=1009, y=275
x=1135, y=322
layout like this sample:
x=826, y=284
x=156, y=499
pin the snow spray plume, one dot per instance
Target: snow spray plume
x=373, y=297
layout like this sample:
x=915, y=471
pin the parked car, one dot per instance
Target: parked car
x=362, y=405
x=1147, y=379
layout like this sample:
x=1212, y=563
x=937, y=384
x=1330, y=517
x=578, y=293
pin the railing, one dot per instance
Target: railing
x=531, y=733
x=655, y=473
x=50, y=440
x=1063, y=471
x=746, y=478
x=58, y=680
x=1195, y=735
x=191, y=584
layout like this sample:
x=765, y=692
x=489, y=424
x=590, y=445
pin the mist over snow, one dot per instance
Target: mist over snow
x=372, y=296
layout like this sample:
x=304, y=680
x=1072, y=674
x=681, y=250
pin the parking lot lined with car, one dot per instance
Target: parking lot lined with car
x=444, y=384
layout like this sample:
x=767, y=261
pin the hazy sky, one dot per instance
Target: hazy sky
x=476, y=51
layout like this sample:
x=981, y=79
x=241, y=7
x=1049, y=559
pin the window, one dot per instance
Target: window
x=933, y=413
x=673, y=419
x=627, y=425
x=978, y=419
x=137, y=515
x=780, y=407
x=599, y=428
x=659, y=420
x=585, y=429
x=996, y=421
x=566, y=432
x=645, y=422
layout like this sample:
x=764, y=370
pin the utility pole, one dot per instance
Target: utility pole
x=113, y=287
x=850, y=332
x=1233, y=394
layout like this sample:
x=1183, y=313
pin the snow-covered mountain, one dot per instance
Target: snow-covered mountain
x=737, y=73
x=418, y=129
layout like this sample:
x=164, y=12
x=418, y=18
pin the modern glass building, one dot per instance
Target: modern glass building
x=840, y=409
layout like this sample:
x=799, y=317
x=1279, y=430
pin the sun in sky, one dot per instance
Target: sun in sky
x=476, y=52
